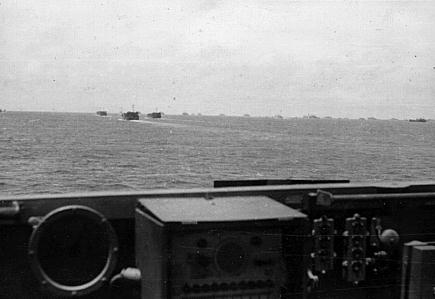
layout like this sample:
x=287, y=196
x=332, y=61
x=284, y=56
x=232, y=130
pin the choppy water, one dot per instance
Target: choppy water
x=56, y=152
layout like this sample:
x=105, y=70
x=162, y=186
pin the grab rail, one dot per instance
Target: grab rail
x=326, y=199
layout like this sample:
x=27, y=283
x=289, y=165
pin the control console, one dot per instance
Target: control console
x=229, y=247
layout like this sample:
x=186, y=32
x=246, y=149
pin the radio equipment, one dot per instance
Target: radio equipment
x=225, y=247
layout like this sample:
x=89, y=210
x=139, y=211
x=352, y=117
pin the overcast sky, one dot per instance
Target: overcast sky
x=342, y=59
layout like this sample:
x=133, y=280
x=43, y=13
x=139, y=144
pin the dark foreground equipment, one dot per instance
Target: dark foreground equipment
x=319, y=240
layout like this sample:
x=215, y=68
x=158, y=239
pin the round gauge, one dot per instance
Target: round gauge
x=230, y=257
x=73, y=250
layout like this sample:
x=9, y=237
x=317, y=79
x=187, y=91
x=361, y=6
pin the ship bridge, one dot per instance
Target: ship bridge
x=269, y=239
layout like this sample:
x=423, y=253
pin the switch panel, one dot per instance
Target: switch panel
x=323, y=233
x=355, y=242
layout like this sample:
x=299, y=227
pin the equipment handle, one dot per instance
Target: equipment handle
x=9, y=209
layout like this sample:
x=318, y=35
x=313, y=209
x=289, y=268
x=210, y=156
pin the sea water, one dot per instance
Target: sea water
x=44, y=152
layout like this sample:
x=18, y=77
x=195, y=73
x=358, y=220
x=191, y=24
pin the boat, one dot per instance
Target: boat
x=4, y=110
x=311, y=116
x=130, y=115
x=102, y=113
x=418, y=120
x=155, y=115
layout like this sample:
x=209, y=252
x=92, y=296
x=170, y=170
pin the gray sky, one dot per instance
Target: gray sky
x=343, y=59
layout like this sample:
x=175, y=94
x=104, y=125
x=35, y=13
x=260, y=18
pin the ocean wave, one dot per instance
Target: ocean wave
x=77, y=152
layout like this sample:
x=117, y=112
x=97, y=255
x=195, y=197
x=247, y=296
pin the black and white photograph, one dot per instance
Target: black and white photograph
x=216, y=149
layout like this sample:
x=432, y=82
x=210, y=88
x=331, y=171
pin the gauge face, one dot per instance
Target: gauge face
x=230, y=257
x=73, y=250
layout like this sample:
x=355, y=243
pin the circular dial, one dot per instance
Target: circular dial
x=73, y=250
x=230, y=257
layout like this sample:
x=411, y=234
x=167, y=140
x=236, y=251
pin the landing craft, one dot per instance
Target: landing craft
x=102, y=113
x=241, y=239
x=418, y=120
x=154, y=115
x=130, y=115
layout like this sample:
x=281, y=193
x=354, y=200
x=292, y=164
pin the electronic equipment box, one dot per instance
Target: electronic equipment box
x=418, y=271
x=224, y=247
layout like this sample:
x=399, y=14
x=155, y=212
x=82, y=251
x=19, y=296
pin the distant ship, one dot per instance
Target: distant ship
x=154, y=115
x=418, y=120
x=130, y=115
x=4, y=110
x=102, y=113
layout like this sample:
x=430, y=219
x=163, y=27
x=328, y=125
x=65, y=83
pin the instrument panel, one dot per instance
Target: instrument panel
x=227, y=247
x=359, y=242
x=228, y=264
